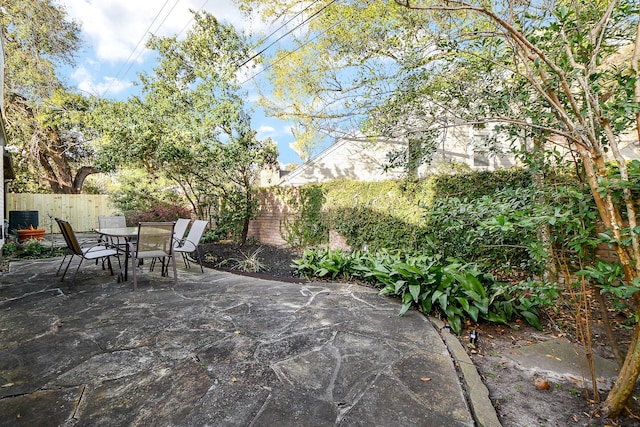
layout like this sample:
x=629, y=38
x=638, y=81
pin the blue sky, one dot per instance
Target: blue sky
x=114, y=34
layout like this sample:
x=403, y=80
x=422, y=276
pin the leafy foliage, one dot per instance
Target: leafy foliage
x=142, y=198
x=483, y=229
x=306, y=226
x=191, y=125
x=45, y=123
x=160, y=212
x=455, y=290
x=405, y=215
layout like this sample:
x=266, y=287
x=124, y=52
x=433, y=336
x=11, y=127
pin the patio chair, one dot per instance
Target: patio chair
x=118, y=221
x=155, y=241
x=190, y=244
x=95, y=252
x=180, y=228
x=178, y=234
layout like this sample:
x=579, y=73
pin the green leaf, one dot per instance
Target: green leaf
x=473, y=313
x=415, y=292
x=531, y=319
x=456, y=324
x=399, y=285
x=404, y=309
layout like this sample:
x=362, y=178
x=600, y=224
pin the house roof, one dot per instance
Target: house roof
x=349, y=157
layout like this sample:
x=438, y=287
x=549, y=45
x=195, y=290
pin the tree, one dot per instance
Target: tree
x=342, y=63
x=568, y=79
x=561, y=72
x=190, y=125
x=43, y=119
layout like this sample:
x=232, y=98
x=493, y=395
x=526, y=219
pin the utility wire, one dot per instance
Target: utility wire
x=290, y=53
x=278, y=29
x=142, y=38
x=297, y=48
x=192, y=17
x=288, y=32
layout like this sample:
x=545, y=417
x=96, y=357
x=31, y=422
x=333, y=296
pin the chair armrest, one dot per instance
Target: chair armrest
x=96, y=248
x=187, y=245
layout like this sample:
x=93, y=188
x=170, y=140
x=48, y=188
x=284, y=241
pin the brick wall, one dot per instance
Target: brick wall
x=604, y=252
x=272, y=211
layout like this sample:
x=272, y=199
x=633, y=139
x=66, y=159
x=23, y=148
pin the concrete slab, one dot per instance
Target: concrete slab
x=218, y=349
x=562, y=360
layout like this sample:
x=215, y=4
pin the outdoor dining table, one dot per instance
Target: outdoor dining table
x=126, y=233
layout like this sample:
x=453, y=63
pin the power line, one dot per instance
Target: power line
x=165, y=18
x=278, y=29
x=142, y=38
x=192, y=17
x=291, y=52
x=298, y=47
x=290, y=31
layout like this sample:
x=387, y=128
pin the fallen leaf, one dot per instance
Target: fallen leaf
x=425, y=379
x=541, y=384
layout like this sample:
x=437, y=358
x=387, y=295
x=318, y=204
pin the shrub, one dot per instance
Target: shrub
x=162, y=211
x=33, y=247
x=9, y=248
x=455, y=290
x=486, y=229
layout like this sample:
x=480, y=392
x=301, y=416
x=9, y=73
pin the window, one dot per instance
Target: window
x=480, y=158
x=481, y=150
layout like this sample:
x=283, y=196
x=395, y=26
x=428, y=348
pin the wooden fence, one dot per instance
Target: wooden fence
x=81, y=210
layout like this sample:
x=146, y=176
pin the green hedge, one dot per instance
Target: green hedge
x=427, y=215
x=477, y=184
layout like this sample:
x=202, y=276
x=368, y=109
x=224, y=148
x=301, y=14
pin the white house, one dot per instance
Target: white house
x=365, y=160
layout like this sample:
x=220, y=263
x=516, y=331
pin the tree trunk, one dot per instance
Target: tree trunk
x=544, y=234
x=610, y=215
x=246, y=217
x=626, y=381
x=81, y=175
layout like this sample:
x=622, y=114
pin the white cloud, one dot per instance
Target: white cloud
x=84, y=82
x=118, y=29
x=266, y=129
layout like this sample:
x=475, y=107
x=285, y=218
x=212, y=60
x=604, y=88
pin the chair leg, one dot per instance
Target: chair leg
x=133, y=271
x=77, y=268
x=109, y=264
x=62, y=263
x=184, y=258
x=199, y=260
x=66, y=268
x=175, y=270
